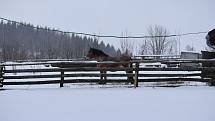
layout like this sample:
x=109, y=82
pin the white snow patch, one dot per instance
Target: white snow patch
x=108, y=104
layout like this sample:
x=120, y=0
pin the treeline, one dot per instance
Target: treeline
x=23, y=42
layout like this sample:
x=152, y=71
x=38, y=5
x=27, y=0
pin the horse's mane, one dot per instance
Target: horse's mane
x=98, y=52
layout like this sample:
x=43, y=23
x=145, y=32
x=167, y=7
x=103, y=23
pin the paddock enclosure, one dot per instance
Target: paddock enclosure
x=79, y=71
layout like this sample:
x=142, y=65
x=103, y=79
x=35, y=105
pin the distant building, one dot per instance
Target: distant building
x=190, y=55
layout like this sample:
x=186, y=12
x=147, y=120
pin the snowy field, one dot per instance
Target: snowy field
x=192, y=101
x=94, y=103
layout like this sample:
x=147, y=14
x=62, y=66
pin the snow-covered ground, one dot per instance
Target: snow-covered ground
x=94, y=103
x=113, y=102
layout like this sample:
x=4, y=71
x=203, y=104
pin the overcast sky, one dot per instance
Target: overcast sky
x=108, y=17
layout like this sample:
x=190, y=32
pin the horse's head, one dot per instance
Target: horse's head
x=90, y=54
x=96, y=54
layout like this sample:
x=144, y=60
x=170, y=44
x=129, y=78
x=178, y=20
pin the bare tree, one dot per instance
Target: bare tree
x=143, y=48
x=126, y=45
x=158, y=44
x=174, y=46
x=189, y=48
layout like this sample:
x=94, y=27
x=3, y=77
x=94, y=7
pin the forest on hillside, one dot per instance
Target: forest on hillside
x=25, y=42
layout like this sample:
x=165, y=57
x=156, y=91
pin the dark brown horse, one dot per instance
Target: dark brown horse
x=100, y=56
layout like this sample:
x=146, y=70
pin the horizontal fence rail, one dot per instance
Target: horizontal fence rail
x=76, y=71
x=65, y=75
x=67, y=69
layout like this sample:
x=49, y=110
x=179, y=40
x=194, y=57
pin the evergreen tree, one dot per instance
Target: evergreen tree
x=23, y=41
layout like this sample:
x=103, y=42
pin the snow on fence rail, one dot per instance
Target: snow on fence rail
x=88, y=72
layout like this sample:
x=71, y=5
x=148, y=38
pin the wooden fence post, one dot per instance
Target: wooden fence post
x=1, y=76
x=62, y=78
x=212, y=82
x=136, y=74
x=103, y=76
x=209, y=73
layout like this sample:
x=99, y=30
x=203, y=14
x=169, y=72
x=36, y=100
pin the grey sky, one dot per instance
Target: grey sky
x=114, y=16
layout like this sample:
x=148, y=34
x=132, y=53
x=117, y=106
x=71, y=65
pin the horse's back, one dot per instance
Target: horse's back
x=118, y=58
x=125, y=57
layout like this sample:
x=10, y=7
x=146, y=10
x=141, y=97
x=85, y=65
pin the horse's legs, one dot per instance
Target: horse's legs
x=129, y=74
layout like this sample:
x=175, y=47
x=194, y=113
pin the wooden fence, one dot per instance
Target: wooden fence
x=1, y=76
x=90, y=73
